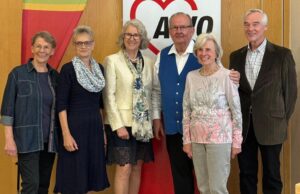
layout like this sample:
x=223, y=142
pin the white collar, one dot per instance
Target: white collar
x=188, y=50
x=261, y=48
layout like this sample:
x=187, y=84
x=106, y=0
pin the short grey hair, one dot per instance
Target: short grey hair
x=83, y=30
x=180, y=13
x=202, y=39
x=141, y=30
x=264, y=19
x=44, y=35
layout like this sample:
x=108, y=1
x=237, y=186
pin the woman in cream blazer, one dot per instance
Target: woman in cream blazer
x=118, y=90
x=127, y=102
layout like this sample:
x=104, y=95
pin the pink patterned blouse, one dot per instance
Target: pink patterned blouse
x=211, y=109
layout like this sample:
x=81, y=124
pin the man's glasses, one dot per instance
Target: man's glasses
x=176, y=28
x=83, y=43
x=135, y=36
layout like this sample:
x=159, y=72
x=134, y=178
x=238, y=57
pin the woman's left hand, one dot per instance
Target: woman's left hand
x=10, y=147
x=187, y=148
x=70, y=143
x=235, y=151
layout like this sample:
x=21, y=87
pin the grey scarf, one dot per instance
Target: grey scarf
x=91, y=80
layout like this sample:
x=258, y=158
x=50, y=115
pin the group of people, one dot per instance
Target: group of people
x=207, y=113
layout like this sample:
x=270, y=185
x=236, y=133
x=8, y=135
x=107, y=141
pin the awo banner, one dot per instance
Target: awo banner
x=206, y=16
x=59, y=17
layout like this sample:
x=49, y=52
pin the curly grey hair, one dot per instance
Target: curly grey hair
x=141, y=29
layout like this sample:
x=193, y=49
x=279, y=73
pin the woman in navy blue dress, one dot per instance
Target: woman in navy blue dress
x=81, y=159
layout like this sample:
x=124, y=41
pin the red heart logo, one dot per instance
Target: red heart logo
x=163, y=4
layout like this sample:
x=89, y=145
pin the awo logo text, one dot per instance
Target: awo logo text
x=155, y=14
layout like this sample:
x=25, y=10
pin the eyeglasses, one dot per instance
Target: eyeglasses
x=129, y=35
x=41, y=47
x=175, y=28
x=83, y=43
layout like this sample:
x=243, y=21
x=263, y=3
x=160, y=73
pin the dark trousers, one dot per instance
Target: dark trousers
x=181, y=165
x=35, y=169
x=248, y=163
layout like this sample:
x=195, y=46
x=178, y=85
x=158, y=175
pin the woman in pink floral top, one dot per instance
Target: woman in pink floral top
x=212, y=118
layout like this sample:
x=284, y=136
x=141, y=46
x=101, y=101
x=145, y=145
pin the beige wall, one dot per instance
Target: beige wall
x=295, y=123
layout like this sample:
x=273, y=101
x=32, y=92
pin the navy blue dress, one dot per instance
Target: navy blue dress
x=83, y=170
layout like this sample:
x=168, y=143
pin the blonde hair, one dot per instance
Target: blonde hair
x=202, y=39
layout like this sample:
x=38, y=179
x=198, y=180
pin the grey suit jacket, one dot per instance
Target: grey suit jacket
x=273, y=97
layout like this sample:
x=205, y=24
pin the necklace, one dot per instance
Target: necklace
x=135, y=60
x=209, y=72
x=138, y=62
x=132, y=60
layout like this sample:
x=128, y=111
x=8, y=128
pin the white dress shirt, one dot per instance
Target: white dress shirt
x=180, y=62
x=253, y=62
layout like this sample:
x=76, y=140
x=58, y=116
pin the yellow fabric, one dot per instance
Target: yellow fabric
x=54, y=7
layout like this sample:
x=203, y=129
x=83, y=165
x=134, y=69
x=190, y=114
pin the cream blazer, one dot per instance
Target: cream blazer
x=119, y=88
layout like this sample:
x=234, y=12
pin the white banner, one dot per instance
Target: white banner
x=155, y=14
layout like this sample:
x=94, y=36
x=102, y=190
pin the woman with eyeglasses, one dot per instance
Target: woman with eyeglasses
x=28, y=116
x=81, y=159
x=127, y=101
